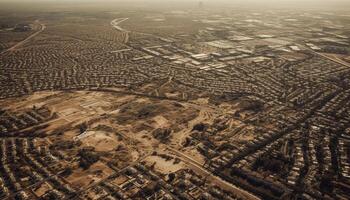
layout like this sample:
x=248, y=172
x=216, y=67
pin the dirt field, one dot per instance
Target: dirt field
x=164, y=166
x=82, y=178
x=100, y=132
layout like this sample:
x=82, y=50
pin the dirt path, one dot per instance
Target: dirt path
x=203, y=116
x=42, y=28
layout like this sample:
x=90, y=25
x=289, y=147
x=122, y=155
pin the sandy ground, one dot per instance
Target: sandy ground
x=82, y=178
x=93, y=194
x=44, y=187
x=101, y=140
x=120, y=127
x=194, y=154
x=160, y=122
x=119, y=180
x=164, y=166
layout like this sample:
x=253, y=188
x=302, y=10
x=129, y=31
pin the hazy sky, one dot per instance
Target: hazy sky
x=260, y=4
x=233, y=1
x=181, y=1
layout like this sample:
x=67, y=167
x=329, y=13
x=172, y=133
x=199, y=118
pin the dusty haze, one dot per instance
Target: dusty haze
x=175, y=4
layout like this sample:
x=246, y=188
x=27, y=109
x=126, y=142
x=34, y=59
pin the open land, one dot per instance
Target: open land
x=180, y=104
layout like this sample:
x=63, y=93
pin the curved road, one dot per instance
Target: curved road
x=115, y=23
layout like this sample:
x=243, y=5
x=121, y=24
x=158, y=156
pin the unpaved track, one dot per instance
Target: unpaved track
x=43, y=27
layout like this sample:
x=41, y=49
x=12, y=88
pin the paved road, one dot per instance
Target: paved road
x=214, y=179
x=334, y=59
x=115, y=23
x=82, y=190
x=337, y=60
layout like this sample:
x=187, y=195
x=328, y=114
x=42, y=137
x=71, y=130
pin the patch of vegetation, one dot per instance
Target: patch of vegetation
x=64, y=145
x=326, y=184
x=161, y=134
x=226, y=97
x=83, y=127
x=200, y=127
x=275, y=164
x=147, y=111
x=136, y=111
x=68, y=171
x=251, y=105
x=88, y=156
x=150, y=189
x=102, y=127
